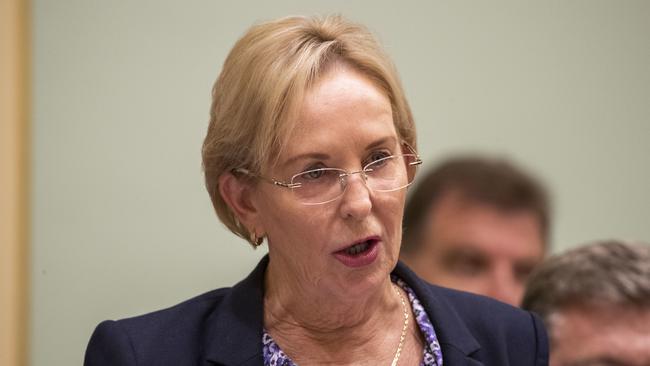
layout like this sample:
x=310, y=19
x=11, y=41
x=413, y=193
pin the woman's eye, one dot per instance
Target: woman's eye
x=314, y=174
x=311, y=175
x=377, y=155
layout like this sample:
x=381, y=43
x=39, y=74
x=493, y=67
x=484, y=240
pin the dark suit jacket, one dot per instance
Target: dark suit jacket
x=224, y=327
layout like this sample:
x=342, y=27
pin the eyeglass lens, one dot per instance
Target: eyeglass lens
x=327, y=184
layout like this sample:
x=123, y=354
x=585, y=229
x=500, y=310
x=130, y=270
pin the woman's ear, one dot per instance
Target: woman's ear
x=238, y=195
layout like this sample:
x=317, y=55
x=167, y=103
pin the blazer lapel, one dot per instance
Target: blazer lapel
x=454, y=357
x=456, y=341
x=234, y=329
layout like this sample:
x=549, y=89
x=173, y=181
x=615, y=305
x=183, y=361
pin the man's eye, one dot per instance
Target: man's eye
x=469, y=266
x=523, y=271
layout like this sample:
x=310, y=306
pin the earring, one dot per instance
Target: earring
x=255, y=240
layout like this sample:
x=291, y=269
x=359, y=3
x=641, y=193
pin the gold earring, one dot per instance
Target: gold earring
x=255, y=240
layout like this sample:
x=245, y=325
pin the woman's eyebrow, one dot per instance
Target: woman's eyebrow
x=381, y=141
x=323, y=156
x=309, y=155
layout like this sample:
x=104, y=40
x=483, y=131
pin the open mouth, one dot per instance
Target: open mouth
x=359, y=248
x=359, y=254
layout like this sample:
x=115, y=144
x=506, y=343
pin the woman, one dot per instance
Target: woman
x=310, y=147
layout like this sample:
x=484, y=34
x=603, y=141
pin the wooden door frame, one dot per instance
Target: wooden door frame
x=15, y=67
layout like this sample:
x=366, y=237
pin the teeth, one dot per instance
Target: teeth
x=357, y=248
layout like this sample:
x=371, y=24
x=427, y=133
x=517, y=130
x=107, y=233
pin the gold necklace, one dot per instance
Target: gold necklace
x=402, y=337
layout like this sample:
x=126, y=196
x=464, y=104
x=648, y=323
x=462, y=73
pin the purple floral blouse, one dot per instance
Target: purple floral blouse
x=273, y=355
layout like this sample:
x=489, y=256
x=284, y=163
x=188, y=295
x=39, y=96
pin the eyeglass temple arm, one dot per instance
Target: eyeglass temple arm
x=269, y=180
x=418, y=160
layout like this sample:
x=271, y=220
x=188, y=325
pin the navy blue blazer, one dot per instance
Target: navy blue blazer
x=224, y=327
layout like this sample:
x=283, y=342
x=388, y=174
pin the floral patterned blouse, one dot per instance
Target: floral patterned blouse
x=432, y=356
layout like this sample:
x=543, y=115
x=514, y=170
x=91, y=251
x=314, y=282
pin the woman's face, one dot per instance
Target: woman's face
x=344, y=122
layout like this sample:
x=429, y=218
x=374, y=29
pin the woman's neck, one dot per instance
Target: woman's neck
x=313, y=326
x=323, y=305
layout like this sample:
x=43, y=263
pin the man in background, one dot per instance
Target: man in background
x=595, y=303
x=477, y=224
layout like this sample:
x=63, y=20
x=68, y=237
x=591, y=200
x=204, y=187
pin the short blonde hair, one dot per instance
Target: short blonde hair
x=261, y=86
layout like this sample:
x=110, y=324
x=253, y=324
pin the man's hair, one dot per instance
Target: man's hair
x=608, y=273
x=495, y=182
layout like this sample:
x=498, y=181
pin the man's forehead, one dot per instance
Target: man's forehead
x=484, y=228
x=597, y=335
x=457, y=199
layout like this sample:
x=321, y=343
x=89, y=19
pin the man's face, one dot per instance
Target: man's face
x=600, y=336
x=478, y=248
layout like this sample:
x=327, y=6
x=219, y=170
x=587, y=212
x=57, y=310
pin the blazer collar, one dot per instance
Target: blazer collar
x=234, y=328
x=451, y=330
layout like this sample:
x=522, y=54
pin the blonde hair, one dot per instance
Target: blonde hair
x=261, y=86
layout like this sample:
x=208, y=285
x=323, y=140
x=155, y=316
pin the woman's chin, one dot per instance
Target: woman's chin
x=362, y=281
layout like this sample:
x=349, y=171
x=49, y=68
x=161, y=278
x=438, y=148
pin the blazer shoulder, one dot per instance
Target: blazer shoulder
x=179, y=315
x=478, y=310
x=500, y=328
x=173, y=333
x=109, y=345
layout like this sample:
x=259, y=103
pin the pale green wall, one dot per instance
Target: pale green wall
x=122, y=224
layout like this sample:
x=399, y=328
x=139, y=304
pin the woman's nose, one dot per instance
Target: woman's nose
x=356, y=202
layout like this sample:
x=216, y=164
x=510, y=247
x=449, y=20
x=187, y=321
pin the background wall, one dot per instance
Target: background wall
x=122, y=224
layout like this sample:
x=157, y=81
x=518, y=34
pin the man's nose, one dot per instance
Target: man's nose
x=505, y=287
